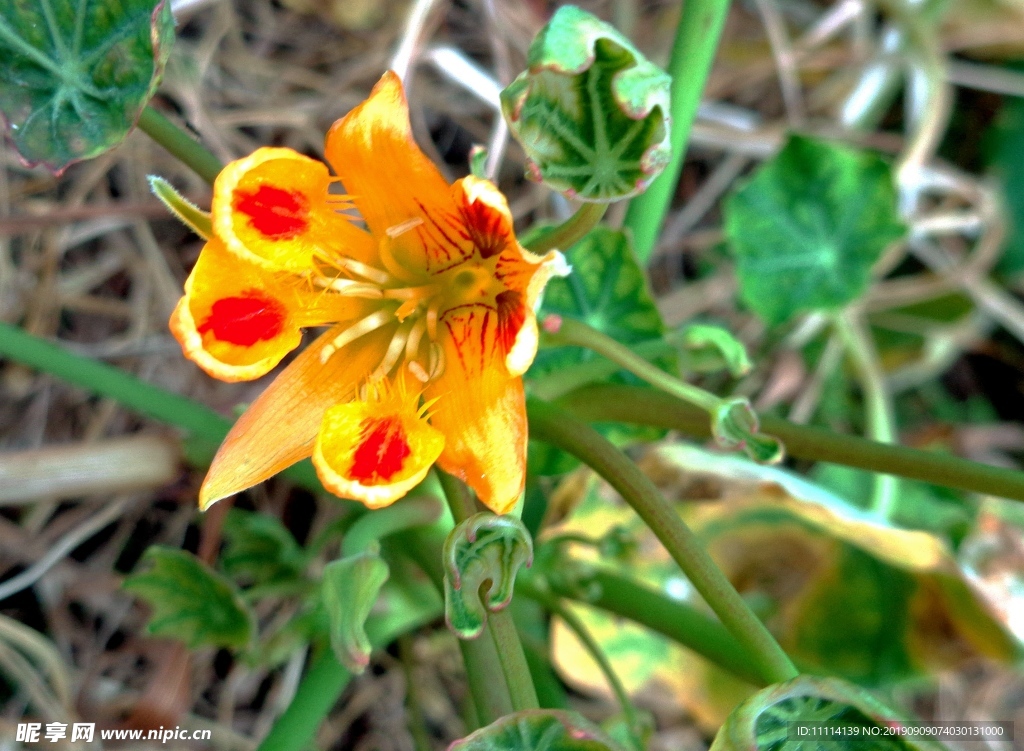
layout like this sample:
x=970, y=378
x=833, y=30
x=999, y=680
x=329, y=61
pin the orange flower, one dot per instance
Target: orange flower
x=430, y=311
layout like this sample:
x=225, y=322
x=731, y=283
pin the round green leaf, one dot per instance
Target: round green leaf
x=76, y=74
x=537, y=730
x=808, y=226
x=590, y=111
x=607, y=289
x=764, y=722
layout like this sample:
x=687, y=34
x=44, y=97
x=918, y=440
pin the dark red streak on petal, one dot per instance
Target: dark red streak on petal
x=446, y=243
x=485, y=228
x=511, y=315
x=278, y=214
x=382, y=452
x=252, y=317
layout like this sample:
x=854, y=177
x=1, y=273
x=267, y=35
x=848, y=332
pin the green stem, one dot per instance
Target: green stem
x=491, y=698
x=407, y=513
x=491, y=695
x=106, y=380
x=574, y=333
x=678, y=621
x=322, y=686
x=483, y=656
x=457, y=495
x=877, y=405
x=180, y=144
x=693, y=51
x=145, y=398
x=553, y=425
x=316, y=695
x=417, y=724
x=644, y=406
x=550, y=386
x=513, y=660
x=553, y=605
x=569, y=232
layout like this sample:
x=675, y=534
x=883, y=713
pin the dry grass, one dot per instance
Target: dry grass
x=91, y=259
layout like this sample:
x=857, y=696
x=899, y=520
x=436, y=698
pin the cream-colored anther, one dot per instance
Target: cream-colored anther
x=352, y=288
x=432, y=312
x=418, y=372
x=398, y=230
x=436, y=361
x=410, y=293
x=360, y=328
x=412, y=344
x=394, y=350
x=367, y=272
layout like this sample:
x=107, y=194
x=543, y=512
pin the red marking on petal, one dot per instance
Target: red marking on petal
x=382, y=452
x=278, y=214
x=511, y=315
x=486, y=228
x=244, y=320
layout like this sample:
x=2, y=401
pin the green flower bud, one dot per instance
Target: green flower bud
x=591, y=112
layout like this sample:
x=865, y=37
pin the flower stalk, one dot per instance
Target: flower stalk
x=186, y=149
x=552, y=425
x=497, y=651
x=877, y=402
x=693, y=51
x=568, y=332
x=569, y=232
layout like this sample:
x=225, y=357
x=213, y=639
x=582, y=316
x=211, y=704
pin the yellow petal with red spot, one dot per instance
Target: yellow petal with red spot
x=394, y=185
x=237, y=322
x=273, y=208
x=480, y=409
x=281, y=426
x=376, y=450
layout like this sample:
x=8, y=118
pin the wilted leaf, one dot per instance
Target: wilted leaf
x=590, y=110
x=191, y=601
x=698, y=338
x=350, y=589
x=76, y=74
x=808, y=226
x=800, y=555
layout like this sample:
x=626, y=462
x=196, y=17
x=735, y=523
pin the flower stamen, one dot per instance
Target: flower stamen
x=432, y=313
x=387, y=258
x=394, y=351
x=362, y=327
x=369, y=273
x=417, y=370
x=412, y=344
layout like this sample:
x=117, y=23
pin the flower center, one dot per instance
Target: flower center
x=415, y=301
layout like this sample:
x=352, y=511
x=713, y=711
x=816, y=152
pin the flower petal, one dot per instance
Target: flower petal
x=393, y=184
x=271, y=208
x=237, y=321
x=480, y=408
x=280, y=427
x=519, y=276
x=376, y=450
